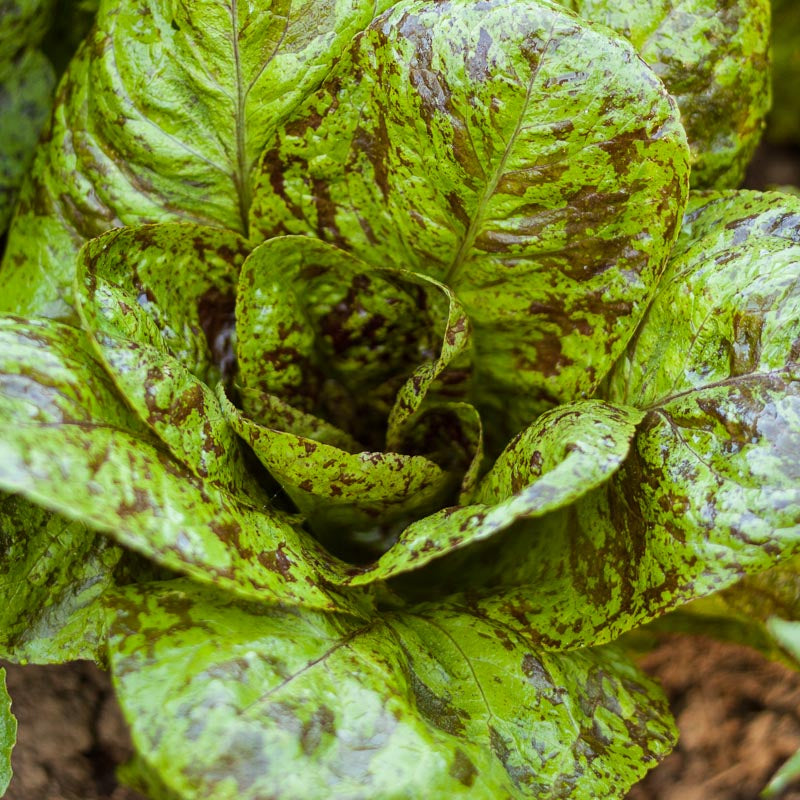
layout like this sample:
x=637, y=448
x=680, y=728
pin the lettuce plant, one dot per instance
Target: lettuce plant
x=370, y=368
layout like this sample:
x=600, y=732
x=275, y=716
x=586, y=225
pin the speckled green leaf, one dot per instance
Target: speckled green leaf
x=53, y=572
x=161, y=117
x=26, y=92
x=711, y=488
x=405, y=705
x=8, y=734
x=333, y=336
x=158, y=303
x=533, y=164
x=566, y=453
x=340, y=492
x=68, y=443
x=713, y=57
x=728, y=309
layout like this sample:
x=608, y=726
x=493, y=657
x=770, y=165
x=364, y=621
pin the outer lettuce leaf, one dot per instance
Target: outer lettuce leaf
x=566, y=453
x=711, y=488
x=53, y=573
x=728, y=309
x=161, y=117
x=67, y=443
x=407, y=705
x=529, y=162
x=8, y=734
x=158, y=303
x=714, y=60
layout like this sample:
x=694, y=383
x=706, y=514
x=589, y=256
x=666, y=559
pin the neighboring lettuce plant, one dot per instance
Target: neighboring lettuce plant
x=370, y=368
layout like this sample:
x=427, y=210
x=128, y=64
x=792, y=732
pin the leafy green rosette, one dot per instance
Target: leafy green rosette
x=354, y=469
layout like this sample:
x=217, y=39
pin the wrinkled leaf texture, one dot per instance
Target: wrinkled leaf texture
x=161, y=117
x=308, y=705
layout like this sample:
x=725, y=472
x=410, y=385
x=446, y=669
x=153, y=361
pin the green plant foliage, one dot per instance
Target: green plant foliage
x=369, y=368
x=54, y=573
x=502, y=171
x=713, y=57
x=190, y=93
x=8, y=734
x=408, y=704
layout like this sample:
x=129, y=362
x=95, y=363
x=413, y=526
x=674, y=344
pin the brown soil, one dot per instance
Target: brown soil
x=739, y=717
x=70, y=734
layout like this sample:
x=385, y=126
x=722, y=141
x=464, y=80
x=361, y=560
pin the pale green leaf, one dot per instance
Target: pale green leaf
x=8, y=734
x=714, y=60
x=161, y=117
x=565, y=454
x=68, y=443
x=53, y=574
x=309, y=705
x=533, y=164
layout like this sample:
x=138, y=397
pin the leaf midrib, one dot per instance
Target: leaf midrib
x=457, y=266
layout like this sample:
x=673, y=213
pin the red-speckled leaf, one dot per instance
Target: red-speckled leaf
x=532, y=163
x=158, y=303
x=565, y=454
x=68, y=443
x=433, y=704
x=161, y=117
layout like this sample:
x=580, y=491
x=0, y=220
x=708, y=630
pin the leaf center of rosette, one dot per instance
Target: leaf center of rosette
x=348, y=390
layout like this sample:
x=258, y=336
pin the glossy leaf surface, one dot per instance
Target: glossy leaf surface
x=8, y=734
x=565, y=454
x=532, y=164
x=53, y=573
x=161, y=117
x=158, y=302
x=713, y=58
x=340, y=491
x=99, y=465
x=319, y=706
x=711, y=489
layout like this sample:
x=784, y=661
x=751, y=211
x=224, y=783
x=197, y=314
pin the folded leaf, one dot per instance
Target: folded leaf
x=158, y=304
x=333, y=336
x=341, y=492
x=565, y=454
x=8, y=734
x=161, y=116
x=67, y=443
x=711, y=489
x=531, y=163
x=714, y=60
x=53, y=573
x=407, y=705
